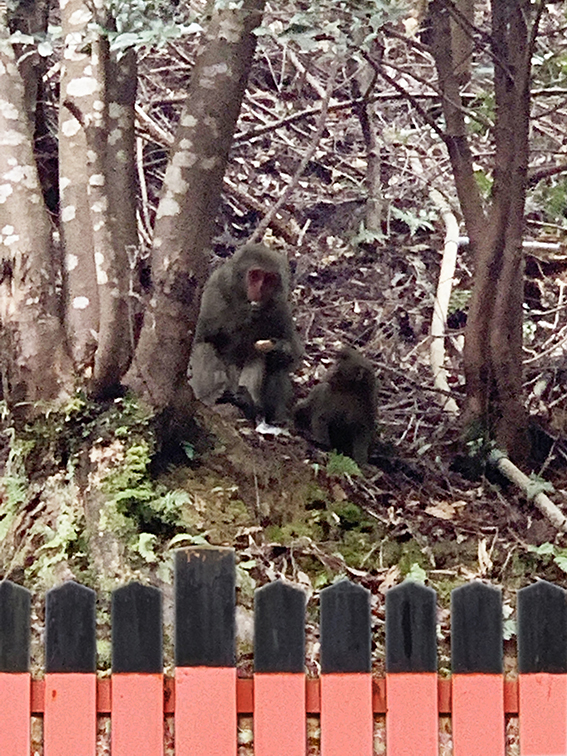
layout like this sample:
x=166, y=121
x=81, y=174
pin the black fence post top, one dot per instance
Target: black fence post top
x=15, y=624
x=205, y=596
x=542, y=628
x=137, y=631
x=345, y=628
x=411, y=628
x=279, y=628
x=476, y=629
x=70, y=629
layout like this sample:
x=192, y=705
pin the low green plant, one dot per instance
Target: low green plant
x=339, y=464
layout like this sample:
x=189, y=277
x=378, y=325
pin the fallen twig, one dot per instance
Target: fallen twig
x=548, y=509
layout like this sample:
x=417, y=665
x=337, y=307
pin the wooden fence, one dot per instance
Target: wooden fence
x=205, y=696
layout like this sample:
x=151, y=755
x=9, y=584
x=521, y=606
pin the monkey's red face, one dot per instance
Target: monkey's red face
x=261, y=285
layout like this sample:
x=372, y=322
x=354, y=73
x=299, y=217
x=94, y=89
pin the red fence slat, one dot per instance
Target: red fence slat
x=347, y=724
x=15, y=702
x=69, y=727
x=478, y=715
x=412, y=717
x=137, y=714
x=280, y=725
x=543, y=714
x=205, y=711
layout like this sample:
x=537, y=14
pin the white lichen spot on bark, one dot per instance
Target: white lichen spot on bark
x=168, y=206
x=174, y=180
x=100, y=206
x=91, y=156
x=158, y=241
x=13, y=239
x=97, y=179
x=68, y=213
x=188, y=121
x=8, y=230
x=101, y=277
x=186, y=144
x=81, y=303
x=8, y=111
x=230, y=29
x=80, y=17
x=2, y=68
x=183, y=159
x=207, y=164
x=115, y=136
x=98, y=225
x=63, y=4
x=98, y=105
x=5, y=191
x=12, y=138
x=82, y=86
x=122, y=157
x=12, y=161
x=22, y=174
x=71, y=262
x=114, y=110
x=64, y=182
x=212, y=125
x=73, y=47
x=211, y=73
x=70, y=127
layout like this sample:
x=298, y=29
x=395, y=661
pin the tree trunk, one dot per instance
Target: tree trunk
x=29, y=19
x=112, y=197
x=98, y=215
x=188, y=204
x=82, y=306
x=34, y=361
x=493, y=338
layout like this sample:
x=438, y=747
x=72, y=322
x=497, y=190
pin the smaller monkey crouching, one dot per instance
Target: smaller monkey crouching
x=339, y=413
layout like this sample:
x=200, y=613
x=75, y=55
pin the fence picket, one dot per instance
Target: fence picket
x=205, y=674
x=15, y=680
x=206, y=695
x=70, y=665
x=137, y=671
x=542, y=664
x=412, y=716
x=346, y=680
x=478, y=681
x=279, y=678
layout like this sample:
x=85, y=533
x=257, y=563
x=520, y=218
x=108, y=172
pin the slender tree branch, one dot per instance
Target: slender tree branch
x=408, y=96
x=266, y=220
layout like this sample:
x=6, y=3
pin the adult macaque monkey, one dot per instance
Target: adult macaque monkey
x=339, y=412
x=245, y=341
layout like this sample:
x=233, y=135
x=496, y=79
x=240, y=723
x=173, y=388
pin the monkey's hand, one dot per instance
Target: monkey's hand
x=264, y=345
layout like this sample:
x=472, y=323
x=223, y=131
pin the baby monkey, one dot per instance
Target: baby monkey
x=339, y=412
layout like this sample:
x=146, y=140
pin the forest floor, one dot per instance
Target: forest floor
x=421, y=507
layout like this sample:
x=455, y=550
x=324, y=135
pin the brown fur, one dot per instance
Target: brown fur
x=339, y=412
x=246, y=348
